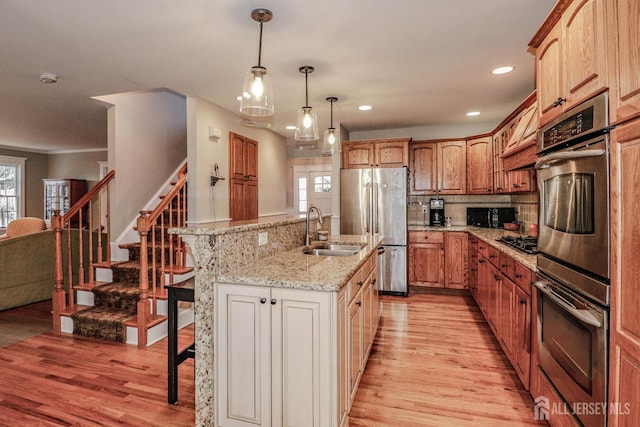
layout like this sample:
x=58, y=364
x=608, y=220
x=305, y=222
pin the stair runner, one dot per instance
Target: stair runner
x=115, y=303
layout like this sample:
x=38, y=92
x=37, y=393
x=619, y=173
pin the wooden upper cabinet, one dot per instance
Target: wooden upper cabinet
x=383, y=153
x=500, y=176
x=623, y=21
x=480, y=165
x=423, y=167
x=571, y=58
x=452, y=167
x=438, y=167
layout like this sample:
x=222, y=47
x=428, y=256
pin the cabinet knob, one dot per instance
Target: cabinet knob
x=518, y=276
x=373, y=282
x=359, y=303
x=496, y=277
x=522, y=301
x=273, y=301
x=481, y=261
x=263, y=300
x=559, y=102
x=492, y=256
x=426, y=237
x=503, y=265
x=360, y=283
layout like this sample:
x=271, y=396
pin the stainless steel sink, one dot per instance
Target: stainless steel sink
x=339, y=247
x=330, y=252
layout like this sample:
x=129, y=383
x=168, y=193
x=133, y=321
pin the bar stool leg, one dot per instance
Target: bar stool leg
x=172, y=377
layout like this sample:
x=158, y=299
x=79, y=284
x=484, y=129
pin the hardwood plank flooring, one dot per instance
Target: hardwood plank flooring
x=18, y=324
x=435, y=362
x=54, y=380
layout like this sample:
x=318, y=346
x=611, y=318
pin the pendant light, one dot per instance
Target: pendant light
x=307, y=122
x=257, y=93
x=331, y=142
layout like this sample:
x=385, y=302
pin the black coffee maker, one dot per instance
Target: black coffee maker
x=436, y=212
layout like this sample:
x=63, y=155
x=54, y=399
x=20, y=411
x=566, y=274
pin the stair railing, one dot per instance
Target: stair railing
x=88, y=218
x=165, y=251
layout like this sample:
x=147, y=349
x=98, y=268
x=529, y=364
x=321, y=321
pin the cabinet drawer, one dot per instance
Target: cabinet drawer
x=426, y=237
x=523, y=277
x=507, y=265
x=356, y=283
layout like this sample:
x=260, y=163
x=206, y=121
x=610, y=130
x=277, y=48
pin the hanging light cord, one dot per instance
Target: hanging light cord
x=306, y=88
x=331, y=113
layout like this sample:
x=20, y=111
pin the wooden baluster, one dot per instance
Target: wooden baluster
x=81, y=250
x=71, y=299
x=92, y=277
x=58, y=299
x=143, y=302
x=108, y=219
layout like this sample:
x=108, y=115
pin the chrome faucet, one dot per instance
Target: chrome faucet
x=306, y=233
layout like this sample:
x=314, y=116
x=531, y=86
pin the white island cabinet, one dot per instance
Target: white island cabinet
x=286, y=357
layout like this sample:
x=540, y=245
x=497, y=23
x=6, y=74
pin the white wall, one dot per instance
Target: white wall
x=206, y=203
x=76, y=165
x=147, y=141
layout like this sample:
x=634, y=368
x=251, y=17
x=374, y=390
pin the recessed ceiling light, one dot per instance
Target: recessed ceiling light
x=473, y=113
x=48, y=78
x=502, y=70
x=365, y=107
x=291, y=127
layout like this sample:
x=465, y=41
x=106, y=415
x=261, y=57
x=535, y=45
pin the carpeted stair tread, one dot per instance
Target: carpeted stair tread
x=120, y=296
x=101, y=323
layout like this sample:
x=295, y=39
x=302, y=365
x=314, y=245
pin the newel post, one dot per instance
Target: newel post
x=58, y=299
x=143, y=303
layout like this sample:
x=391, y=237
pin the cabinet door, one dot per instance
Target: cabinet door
x=344, y=392
x=493, y=297
x=584, y=50
x=522, y=335
x=302, y=393
x=500, y=176
x=357, y=155
x=522, y=181
x=624, y=60
x=452, y=167
x=356, y=350
x=251, y=160
x=423, y=167
x=237, y=156
x=549, y=75
x=483, y=285
x=479, y=166
x=456, y=260
x=504, y=322
x=426, y=265
x=392, y=153
x=243, y=355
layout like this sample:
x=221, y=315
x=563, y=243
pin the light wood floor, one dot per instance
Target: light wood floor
x=436, y=363
x=51, y=380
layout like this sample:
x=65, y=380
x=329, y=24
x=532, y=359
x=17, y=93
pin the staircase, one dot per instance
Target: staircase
x=126, y=301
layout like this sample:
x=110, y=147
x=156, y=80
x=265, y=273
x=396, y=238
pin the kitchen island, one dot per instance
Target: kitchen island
x=286, y=292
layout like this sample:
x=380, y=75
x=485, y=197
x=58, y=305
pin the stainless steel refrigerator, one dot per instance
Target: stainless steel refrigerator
x=374, y=201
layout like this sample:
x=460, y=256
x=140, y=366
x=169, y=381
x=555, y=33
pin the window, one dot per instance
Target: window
x=11, y=189
x=302, y=195
x=322, y=184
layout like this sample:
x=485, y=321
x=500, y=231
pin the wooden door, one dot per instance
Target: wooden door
x=357, y=155
x=624, y=369
x=392, y=153
x=251, y=160
x=452, y=167
x=426, y=264
x=243, y=384
x=302, y=392
x=522, y=335
x=584, y=51
x=456, y=260
x=549, y=74
x=237, y=156
x=623, y=20
x=479, y=166
x=423, y=167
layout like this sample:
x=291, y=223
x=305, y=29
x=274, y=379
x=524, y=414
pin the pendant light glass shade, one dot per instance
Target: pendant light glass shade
x=331, y=143
x=257, y=92
x=307, y=120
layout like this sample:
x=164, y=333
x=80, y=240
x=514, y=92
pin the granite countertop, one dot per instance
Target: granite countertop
x=293, y=269
x=489, y=236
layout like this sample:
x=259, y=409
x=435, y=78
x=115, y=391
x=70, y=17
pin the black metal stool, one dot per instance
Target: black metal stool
x=183, y=291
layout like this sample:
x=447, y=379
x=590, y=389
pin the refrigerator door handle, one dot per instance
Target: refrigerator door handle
x=376, y=226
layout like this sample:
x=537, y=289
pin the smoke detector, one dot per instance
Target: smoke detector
x=48, y=78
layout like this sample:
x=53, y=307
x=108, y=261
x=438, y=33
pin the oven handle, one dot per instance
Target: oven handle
x=582, y=315
x=547, y=160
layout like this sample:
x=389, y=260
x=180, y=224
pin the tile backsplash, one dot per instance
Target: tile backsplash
x=526, y=206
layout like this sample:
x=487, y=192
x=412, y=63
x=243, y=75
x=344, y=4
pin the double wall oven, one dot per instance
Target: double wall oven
x=573, y=259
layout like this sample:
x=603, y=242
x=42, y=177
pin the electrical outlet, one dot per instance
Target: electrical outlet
x=263, y=238
x=425, y=209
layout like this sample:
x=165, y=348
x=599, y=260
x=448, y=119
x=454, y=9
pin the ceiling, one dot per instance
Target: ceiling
x=418, y=62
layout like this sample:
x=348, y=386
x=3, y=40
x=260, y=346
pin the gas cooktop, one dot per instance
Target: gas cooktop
x=528, y=245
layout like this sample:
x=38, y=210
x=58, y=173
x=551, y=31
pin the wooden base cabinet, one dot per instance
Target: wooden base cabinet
x=456, y=262
x=426, y=258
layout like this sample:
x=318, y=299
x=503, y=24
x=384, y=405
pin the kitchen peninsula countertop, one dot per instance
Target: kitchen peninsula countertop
x=489, y=236
x=293, y=269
